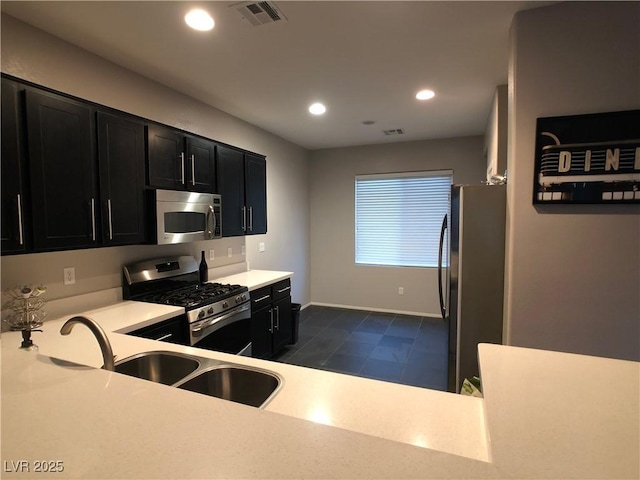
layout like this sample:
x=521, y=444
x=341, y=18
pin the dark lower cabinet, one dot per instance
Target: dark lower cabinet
x=173, y=330
x=271, y=327
x=14, y=230
x=61, y=137
x=122, y=180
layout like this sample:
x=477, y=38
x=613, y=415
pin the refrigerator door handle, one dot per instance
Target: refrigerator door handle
x=443, y=309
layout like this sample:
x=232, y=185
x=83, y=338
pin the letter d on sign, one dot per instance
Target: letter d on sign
x=564, y=162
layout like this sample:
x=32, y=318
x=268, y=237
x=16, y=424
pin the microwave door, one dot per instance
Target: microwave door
x=183, y=222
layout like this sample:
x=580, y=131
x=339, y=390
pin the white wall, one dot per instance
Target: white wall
x=573, y=272
x=335, y=278
x=36, y=56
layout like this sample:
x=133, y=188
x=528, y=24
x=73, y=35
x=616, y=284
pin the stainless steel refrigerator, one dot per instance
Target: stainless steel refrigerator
x=472, y=291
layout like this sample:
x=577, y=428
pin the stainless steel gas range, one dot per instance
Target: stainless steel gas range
x=217, y=316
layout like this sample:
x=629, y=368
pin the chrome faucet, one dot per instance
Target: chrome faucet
x=105, y=345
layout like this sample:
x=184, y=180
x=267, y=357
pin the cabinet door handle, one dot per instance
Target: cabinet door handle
x=193, y=170
x=251, y=219
x=271, y=320
x=284, y=289
x=277, y=318
x=244, y=219
x=182, y=164
x=164, y=337
x=110, y=219
x=93, y=219
x=20, y=231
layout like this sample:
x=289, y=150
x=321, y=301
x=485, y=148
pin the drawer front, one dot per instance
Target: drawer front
x=261, y=298
x=281, y=289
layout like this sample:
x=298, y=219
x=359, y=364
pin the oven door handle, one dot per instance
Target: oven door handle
x=220, y=321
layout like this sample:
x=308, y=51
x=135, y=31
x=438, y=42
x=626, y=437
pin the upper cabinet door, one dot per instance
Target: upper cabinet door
x=121, y=173
x=201, y=165
x=61, y=144
x=256, y=193
x=167, y=162
x=13, y=228
x=231, y=187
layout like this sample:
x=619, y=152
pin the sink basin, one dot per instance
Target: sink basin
x=161, y=367
x=236, y=383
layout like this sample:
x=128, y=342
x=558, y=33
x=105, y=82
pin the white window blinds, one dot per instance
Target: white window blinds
x=399, y=216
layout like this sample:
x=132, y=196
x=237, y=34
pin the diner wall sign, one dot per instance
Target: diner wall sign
x=593, y=158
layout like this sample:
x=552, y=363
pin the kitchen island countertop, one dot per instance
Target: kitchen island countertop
x=320, y=425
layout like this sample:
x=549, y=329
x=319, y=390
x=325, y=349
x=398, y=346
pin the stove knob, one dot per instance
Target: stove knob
x=244, y=297
x=201, y=314
x=238, y=299
x=225, y=304
x=210, y=310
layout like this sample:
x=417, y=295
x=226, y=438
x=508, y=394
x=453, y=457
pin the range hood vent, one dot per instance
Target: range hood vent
x=260, y=13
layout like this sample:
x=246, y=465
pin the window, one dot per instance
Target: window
x=399, y=217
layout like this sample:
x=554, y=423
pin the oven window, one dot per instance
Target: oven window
x=184, y=222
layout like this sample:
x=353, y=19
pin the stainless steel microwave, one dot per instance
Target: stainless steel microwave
x=183, y=217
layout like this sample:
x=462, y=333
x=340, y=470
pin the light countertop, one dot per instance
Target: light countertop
x=320, y=424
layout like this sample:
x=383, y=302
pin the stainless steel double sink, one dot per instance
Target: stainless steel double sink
x=229, y=381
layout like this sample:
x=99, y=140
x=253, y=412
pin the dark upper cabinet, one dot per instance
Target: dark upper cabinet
x=231, y=188
x=61, y=136
x=242, y=184
x=180, y=162
x=121, y=158
x=13, y=229
x=201, y=164
x=255, y=174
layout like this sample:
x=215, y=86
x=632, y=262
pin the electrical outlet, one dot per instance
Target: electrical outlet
x=261, y=247
x=229, y=252
x=69, y=276
x=400, y=290
x=244, y=250
x=211, y=255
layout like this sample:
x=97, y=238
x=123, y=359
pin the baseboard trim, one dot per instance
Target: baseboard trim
x=371, y=309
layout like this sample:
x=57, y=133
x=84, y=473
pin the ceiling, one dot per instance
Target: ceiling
x=365, y=60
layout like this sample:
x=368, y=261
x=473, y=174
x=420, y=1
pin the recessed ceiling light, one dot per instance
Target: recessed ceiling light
x=198, y=19
x=425, y=94
x=317, y=109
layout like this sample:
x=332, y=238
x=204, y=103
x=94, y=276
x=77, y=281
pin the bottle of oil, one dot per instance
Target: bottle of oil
x=204, y=269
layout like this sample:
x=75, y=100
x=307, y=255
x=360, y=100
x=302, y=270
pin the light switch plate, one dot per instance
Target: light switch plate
x=261, y=247
x=244, y=250
x=229, y=252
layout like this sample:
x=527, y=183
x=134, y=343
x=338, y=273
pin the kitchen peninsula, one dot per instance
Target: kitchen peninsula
x=543, y=415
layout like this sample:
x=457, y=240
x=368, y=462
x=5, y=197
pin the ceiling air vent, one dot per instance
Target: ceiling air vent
x=395, y=131
x=259, y=13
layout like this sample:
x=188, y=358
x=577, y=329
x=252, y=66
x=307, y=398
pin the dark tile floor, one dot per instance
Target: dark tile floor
x=395, y=348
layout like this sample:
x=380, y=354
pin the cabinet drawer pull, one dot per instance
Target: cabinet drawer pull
x=93, y=219
x=182, y=164
x=164, y=337
x=20, y=231
x=261, y=299
x=110, y=219
x=193, y=170
x=284, y=289
x=271, y=320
